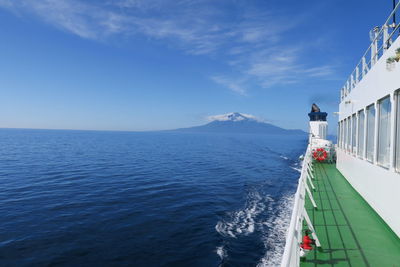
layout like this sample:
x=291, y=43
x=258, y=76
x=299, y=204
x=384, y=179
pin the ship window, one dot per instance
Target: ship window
x=370, y=132
x=341, y=134
x=338, y=133
x=344, y=133
x=385, y=108
x=353, y=133
x=397, y=162
x=349, y=133
x=360, y=146
x=322, y=132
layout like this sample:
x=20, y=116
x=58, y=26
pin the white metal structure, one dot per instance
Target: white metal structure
x=291, y=255
x=382, y=41
x=368, y=153
x=318, y=129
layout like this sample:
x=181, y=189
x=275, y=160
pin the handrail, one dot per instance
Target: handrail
x=291, y=256
x=374, y=50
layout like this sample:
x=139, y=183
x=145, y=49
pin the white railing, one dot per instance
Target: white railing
x=291, y=255
x=382, y=39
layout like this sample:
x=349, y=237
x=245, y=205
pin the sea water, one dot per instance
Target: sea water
x=74, y=198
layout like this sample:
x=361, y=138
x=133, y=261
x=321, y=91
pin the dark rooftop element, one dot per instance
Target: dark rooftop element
x=315, y=108
x=316, y=114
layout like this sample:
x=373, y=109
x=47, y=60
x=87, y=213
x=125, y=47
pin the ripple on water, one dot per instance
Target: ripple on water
x=144, y=199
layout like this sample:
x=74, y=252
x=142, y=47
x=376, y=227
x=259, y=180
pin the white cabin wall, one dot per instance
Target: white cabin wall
x=318, y=129
x=378, y=83
x=379, y=186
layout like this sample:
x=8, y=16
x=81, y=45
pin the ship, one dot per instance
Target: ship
x=346, y=208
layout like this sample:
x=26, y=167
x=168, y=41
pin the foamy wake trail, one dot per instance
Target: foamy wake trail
x=221, y=251
x=275, y=233
x=296, y=168
x=242, y=222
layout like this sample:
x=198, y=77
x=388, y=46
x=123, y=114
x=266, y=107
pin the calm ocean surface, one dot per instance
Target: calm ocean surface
x=83, y=198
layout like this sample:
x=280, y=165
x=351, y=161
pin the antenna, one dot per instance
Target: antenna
x=394, y=14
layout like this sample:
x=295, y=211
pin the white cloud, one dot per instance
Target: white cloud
x=250, y=42
x=233, y=116
x=283, y=66
x=235, y=86
x=76, y=17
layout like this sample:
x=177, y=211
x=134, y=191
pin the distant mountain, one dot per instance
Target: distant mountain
x=239, y=123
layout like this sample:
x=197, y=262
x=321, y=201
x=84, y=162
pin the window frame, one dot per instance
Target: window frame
x=349, y=134
x=341, y=134
x=379, y=132
x=361, y=141
x=354, y=134
x=396, y=129
x=344, y=134
x=368, y=133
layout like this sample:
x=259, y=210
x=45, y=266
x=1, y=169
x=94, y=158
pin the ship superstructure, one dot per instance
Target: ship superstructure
x=368, y=153
x=347, y=213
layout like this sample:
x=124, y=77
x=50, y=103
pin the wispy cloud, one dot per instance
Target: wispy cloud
x=233, y=116
x=233, y=85
x=86, y=21
x=282, y=66
x=250, y=41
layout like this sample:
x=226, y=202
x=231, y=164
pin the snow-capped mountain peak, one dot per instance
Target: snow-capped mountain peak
x=236, y=122
x=233, y=116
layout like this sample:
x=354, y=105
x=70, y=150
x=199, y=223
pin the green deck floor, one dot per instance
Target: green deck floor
x=350, y=231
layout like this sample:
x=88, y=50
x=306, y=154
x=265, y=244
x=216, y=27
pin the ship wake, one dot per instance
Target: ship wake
x=243, y=222
x=274, y=233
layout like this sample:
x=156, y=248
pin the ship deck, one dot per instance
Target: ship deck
x=350, y=231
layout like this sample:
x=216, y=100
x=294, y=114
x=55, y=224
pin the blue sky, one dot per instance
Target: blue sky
x=160, y=64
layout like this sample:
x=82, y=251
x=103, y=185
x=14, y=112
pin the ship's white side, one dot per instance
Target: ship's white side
x=376, y=179
x=378, y=183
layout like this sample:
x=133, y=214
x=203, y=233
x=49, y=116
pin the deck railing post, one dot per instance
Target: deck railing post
x=309, y=164
x=357, y=74
x=311, y=183
x=310, y=195
x=374, y=46
x=310, y=173
x=352, y=81
x=364, y=66
x=386, y=40
x=309, y=224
